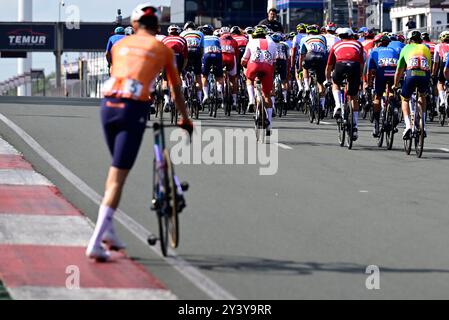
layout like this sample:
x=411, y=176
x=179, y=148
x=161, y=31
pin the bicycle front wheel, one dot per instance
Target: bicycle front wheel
x=162, y=218
x=419, y=138
x=173, y=221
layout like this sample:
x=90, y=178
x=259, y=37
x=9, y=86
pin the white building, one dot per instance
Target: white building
x=427, y=18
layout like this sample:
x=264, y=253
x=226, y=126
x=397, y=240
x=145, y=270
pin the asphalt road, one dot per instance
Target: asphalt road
x=308, y=232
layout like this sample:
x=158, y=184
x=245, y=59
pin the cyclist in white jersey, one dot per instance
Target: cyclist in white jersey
x=330, y=36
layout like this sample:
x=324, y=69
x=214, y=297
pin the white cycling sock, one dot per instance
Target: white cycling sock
x=220, y=90
x=306, y=84
x=273, y=100
x=234, y=98
x=336, y=94
x=166, y=98
x=322, y=100
x=442, y=96
x=206, y=91
x=284, y=93
x=251, y=98
x=407, y=122
x=299, y=84
x=104, y=221
x=356, y=118
x=270, y=116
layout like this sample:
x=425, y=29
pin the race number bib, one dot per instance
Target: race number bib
x=133, y=88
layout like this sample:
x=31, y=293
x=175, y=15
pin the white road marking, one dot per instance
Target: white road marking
x=363, y=191
x=23, y=177
x=212, y=289
x=444, y=149
x=283, y=146
x=20, y=229
x=324, y=122
x=57, y=293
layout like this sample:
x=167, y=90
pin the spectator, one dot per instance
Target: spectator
x=271, y=22
x=411, y=24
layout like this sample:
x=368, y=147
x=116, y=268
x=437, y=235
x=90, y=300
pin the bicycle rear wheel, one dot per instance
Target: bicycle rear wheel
x=341, y=132
x=419, y=137
x=389, y=133
x=382, y=129
x=350, y=128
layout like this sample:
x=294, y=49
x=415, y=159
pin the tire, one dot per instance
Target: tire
x=173, y=225
x=389, y=134
x=341, y=132
x=380, y=139
x=371, y=113
x=408, y=146
x=162, y=219
x=419, y=138
x=350, y=128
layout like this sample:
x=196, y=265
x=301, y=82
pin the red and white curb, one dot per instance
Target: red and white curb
x=43, y=240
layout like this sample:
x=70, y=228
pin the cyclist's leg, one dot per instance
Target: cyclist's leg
x=233, y=81
x=267, y=87
x=337, y=80
x=423, y=90
x=353, y=92
x=407, y=90
x=320, y=71
x=250, y=77
x=218, y=72
x=441, y=90
x=205, y=74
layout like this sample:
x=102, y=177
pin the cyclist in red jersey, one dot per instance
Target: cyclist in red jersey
x=179, y=46
x=229, y=55
x=242, y=41
x=346, y=59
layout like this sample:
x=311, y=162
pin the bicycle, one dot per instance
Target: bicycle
x=345, y=123
x=168, y=193
x=279, y=97
x=367, y=105
x=213, y=93
x=312, y=102
x=227, y=96
x=389, y=119
x=242, y=94
x=443, y=111
x=260, y=116
x=417, y=126
x=329, y=101
x=191, y=95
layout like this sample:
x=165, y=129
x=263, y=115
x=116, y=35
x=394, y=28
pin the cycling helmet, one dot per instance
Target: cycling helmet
x=331, y=27
x=174, y=30
x=249, y=30
x=393, y=36
x=217, y=33
x=444, y=36
x=291, y=35
x=369, y=34
x=225, y=30
x=363, y=30
x=313, y=29
x=129, y=31
x=401, y=38
x=344, y=33
x=382, y=38
x=190, y=25
x=301, y=28
x=144, y=10
x=277, y=37
x=236, y=30
x=207, y=29
x=425, y=36
x=414, y=35
x=119, y=30
x=259, y=32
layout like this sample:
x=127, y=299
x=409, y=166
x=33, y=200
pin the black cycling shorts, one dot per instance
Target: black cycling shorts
x=317, y=63
x=350, y=70
x=179, y=64
x=194, y=62
x=124, y=122
x=281, y=69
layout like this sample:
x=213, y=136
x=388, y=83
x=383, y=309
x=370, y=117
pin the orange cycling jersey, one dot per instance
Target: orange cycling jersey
x=138, y=60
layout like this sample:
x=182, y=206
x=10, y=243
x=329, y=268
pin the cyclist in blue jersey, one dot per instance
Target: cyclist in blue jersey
x=397, y=42
x=119, y=33
x=212, y=58
x=313, y=56
x=382, y=64
x=195, y=45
